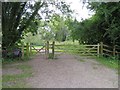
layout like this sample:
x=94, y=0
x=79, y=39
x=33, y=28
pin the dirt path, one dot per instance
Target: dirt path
x=69, y=71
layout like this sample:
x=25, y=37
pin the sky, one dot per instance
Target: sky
x=77, y=5
x=79, y=13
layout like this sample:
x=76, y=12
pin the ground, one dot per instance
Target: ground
x=69, y=71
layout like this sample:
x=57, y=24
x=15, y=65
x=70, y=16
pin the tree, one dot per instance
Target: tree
x=19, y=18
x=54, y=29
x=16, y=19
x=109, y=23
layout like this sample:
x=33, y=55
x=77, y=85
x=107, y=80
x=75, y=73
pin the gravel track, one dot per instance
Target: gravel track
x=70, y=71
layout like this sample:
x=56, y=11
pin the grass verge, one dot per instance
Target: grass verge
x=111, y=63
x=17, y=80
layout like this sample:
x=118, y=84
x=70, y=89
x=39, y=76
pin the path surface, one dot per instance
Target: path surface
x=69, y=71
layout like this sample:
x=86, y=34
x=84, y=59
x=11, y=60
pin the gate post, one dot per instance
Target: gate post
x=27, y=49
x=53, y=44
x=101, y=49
x=30, y=49
x=114, y=50
x=98, y=49
x=47, y=49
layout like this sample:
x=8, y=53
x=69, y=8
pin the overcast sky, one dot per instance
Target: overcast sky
x=81, y=12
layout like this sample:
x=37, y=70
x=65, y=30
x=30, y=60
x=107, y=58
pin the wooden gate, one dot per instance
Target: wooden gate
x=89, y=50
x=40, y=49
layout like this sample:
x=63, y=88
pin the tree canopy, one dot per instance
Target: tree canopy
x=19, y=18
x=103, y=26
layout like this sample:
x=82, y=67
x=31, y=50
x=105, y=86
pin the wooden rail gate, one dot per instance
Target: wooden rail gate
x=88, y=50
x=81, y=49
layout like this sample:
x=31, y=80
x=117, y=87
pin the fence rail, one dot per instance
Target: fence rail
x=97, y=49
x=109, y=50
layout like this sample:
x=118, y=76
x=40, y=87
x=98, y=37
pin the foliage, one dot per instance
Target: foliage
x=109, y=23
x=55, y=29
x=36, y=39
x=103, y=26
x=16, y=19
x=20, y=18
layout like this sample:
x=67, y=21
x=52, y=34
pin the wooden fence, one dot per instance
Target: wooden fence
x=82, y=49
x=91, y=50
x=109, y=50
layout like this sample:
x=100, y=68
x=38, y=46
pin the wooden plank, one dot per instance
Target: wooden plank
x=90, y=48
x=117, y=52
x=47, y=47
x=53, y=49
x=30, y=49
x=114, y=51
x=98, y=50
x=89, y=51
x=101, y=48
x=27, y=49
x=107, y=50
x=105, y=45
x=90, y=45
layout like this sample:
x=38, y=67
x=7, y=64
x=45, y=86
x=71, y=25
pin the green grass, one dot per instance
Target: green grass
x=82, y=60
x=109, y=62
x=17, y=80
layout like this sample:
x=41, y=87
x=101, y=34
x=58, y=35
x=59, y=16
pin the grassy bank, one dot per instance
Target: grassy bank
x=109, y=62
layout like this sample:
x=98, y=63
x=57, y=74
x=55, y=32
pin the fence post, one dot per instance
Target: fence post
x=98, y=49
x=53, y=44
x=114, y=50
x=22, y=51
x=47, y=48
x=27, y=49
x=101, y=48
x=30, y=49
